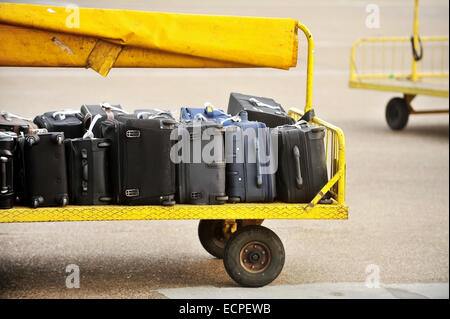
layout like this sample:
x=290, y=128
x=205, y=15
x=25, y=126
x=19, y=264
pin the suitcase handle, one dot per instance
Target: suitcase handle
x=4, y=161
x=298, y=177
x=259, y=181
x=84, y=170
x=256, y=102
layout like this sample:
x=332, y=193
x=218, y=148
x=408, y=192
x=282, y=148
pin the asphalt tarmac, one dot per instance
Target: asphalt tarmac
x=397, y=182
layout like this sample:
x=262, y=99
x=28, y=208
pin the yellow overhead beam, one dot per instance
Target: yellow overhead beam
x=39, y=35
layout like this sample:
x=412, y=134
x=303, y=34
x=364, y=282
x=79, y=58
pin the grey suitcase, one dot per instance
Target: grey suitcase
x=251, y=156
x=201, y=180
x=145, y=114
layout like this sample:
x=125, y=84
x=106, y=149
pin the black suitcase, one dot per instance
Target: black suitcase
x=302, y=171
x=104, y=111
x=145, y=114
x=43, y=172
x=260, y=109
x=141, y=169
x=7, y=147
x=69, y=122
x=201, y=180
x=251, y=161
x=88, y=171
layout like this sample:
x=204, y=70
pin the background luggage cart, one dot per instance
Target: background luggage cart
x=382, y=64
x=253, y=255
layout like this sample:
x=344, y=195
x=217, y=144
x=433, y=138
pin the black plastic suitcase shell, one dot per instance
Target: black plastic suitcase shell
x=271, y=117
x=303, y=144
x=72, y=125
x=88, y=171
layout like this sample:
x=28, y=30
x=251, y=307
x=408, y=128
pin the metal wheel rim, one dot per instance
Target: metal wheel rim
x=255, y=257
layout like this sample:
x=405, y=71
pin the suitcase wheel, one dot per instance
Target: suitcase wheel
x=59, y=139
x=32, y=140
x=168, y=202
x=64, y=201
x=222, y=199
x=36, y=201
x=254, y=256
x=104, y=144
x=234, y=199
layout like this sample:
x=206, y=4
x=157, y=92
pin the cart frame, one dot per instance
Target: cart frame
x=337, y=209
x=410, y=84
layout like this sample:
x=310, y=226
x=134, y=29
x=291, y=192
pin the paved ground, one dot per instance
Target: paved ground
x=314, y=291
x=397, y=190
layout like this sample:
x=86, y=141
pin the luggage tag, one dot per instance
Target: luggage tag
x=89, y=133
x=256, y=102
x=108, y=108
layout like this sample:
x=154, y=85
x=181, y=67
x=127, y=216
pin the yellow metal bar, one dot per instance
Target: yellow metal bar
x=227, y=211
x=402, y=75
x=310, y=67
x=325, y=189
x=415, y=39
x=400, y=89
x=415, y=112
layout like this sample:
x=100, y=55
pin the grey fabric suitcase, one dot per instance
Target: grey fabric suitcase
x=252, y=161
x=145, y=114
x=199, y=180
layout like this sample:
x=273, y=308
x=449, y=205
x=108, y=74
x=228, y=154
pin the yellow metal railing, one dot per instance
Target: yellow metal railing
x=389, y=55
x=335, y=156
x=392, y=58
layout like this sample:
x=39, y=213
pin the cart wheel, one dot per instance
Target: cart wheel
x=214, y=235
x=397, y=113
x=254, y=256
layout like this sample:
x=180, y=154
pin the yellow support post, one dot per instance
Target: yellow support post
x=415, y=39
x=310, y=66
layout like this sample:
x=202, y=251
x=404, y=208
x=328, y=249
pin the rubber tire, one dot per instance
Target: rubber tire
x=233, y=248
x=207, y=233
x=397, y=113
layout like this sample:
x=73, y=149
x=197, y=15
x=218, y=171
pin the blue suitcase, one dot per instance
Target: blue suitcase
x=206, y=113
x=251, y=156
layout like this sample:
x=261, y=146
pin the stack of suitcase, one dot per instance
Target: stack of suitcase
x=104, y=155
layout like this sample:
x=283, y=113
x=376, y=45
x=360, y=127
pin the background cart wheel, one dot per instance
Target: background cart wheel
x=214, y=235
x=254, y=256
x=397, y=113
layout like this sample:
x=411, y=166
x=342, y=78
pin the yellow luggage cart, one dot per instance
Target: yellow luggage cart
x=253, y=255
x=380, y=64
